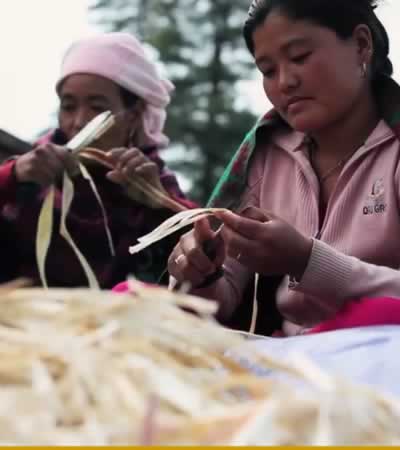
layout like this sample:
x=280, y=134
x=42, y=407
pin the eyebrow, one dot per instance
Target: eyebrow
x=90, y=97
x=285, y=47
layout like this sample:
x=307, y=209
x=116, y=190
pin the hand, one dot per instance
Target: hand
x=44, y=164
x=264, y=243
x=130, y=162
x=188, y=262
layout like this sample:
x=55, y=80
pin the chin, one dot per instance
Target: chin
x=306, y=123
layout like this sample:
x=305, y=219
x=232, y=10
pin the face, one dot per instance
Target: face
x=84, y=96
x=311, y=76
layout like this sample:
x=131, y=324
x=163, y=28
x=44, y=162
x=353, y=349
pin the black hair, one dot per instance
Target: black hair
x=129, y=99
x=341, y=16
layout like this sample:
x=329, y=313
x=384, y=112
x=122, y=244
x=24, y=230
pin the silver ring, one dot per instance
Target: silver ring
x=238, y=256
x=178, y=259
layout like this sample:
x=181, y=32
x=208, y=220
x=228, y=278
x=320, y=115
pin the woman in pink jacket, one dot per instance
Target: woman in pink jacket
x=315, y=186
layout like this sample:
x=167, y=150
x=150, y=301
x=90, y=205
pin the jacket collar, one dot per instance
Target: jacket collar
x=233, y=181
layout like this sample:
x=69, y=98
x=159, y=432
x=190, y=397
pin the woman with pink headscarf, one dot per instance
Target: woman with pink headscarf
x=104, y=72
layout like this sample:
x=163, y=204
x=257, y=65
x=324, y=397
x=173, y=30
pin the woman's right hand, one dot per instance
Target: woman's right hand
x=188, y=261
x=44, y=164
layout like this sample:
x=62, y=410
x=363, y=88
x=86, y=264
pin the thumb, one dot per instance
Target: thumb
x=71, y=165
x=254, y=213
x=68, y=161
x=202, y=230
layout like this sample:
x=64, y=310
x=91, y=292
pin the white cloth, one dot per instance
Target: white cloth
x=366, y=355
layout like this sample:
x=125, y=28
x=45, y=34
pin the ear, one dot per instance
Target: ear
x=362, y=37
x=133, y=118
x=136, y=110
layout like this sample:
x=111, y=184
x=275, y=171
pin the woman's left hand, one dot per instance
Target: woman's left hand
x=130, y=162
x=265, y=243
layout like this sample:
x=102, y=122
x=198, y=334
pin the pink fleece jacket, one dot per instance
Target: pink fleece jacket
x=355, y=251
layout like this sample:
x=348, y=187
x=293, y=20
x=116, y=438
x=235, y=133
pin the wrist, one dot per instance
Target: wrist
x=301, y=262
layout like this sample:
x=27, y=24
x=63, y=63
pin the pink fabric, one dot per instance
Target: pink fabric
x=121, y=287
x=363, y=313
x=357, y=253
x=121, y=58
x=124, y=287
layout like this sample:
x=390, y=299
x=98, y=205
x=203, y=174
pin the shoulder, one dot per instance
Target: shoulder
x=278, y=141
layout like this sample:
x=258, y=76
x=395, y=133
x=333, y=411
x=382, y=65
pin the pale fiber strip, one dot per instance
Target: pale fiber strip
x=155, y=197
x=99, y=361
x=153, y=193
x=94, y=130
x=165, y=229
x=86, y=175
x=155, y=238
x=45, y=228
x=67, y=197
x=43, y=234
x=178, y=218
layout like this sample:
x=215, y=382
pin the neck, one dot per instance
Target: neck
x=351, y=131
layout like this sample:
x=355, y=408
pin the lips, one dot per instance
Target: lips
x=295, y=100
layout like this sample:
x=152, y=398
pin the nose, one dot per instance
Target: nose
x=81, y=118
x=288, y=80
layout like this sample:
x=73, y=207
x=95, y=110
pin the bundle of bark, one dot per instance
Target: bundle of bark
x=84, y=367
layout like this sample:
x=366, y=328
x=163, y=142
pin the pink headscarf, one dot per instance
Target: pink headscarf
x=120, y=57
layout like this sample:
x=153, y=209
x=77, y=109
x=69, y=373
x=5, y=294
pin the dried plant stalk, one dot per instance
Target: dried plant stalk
x=82, y=367
x=173, y=224
x=98, y=126
x=138, y=188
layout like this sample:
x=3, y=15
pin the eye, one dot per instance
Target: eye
x=299, y=59
x=99, y=108
x=268, y=73
x=67, y=107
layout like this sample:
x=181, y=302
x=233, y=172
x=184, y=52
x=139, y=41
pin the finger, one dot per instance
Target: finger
x=236, y=245
x=220, y=250
x=212, y=239
x=130, y=169
x=251, y=212
x=197, y=258
x=116, y=177
x=173, y=267
x=42, y=155
x=69, y=162
x=54, y=155
x=181, y=269
x=194, y=253
x=203, y=231
x=56, y=151
x=128, y=156
x=53, y=165
x=43, y=176
x=46, y=163
x=249, y=228
x=39, y=151
x=193, y=276
x=116, y=153
x=148, y=170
